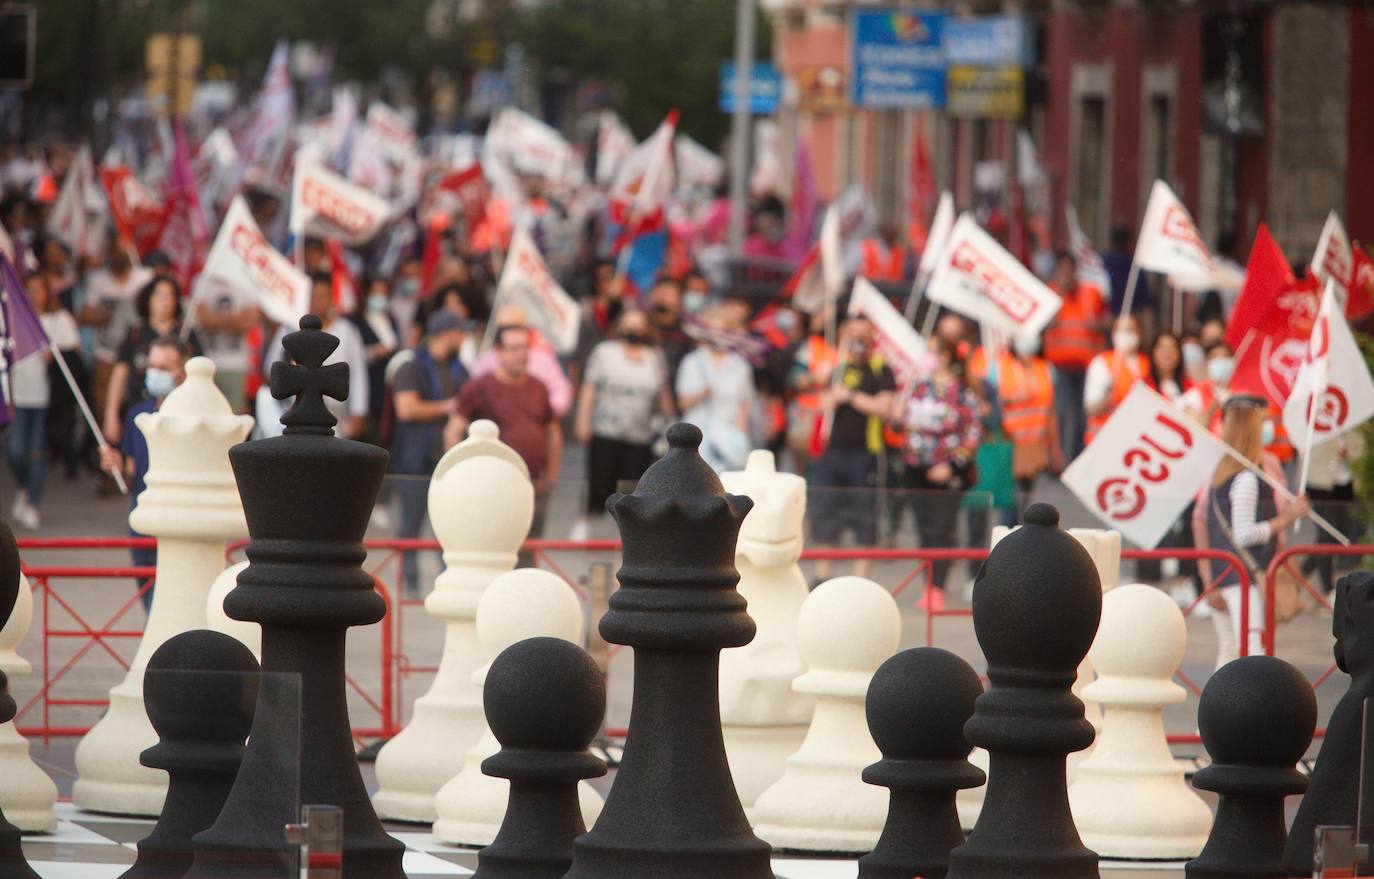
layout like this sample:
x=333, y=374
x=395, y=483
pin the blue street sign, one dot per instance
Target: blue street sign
x=897, y=59
x=765, y=88
x=991, y=41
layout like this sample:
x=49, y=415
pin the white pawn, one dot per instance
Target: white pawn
x=848, y=627
x=250, y=634
x=763, y=719
x=27, y=794
x=481, y=503
x=525, y=603
x=192, y=506
x=1130, y=799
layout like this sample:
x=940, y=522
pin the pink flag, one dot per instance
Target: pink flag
x=185, y=237
x=805, y=205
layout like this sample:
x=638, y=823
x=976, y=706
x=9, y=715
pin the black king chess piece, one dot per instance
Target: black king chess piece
x=917, y=705
x=1332, y=797
x=1037, y=602
x=199, y=691
x=545, y=700
x=673, y=812
x=12, y=862
x=307, y=496
x=1256, y=716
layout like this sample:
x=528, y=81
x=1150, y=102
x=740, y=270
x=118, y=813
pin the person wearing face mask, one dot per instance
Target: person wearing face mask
x=158, y=306
x=715, y=391
x=109, y=307
x=166, y=369
x=1025, y=394
x=665, y=313
x=1112, y=374
x=1194, y=360
x=1072, y=340
x=885, y=259
x=1204, y=399
x=381, y=338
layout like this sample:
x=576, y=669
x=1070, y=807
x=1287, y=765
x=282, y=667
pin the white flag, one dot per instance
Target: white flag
x=243, y=259
x=901, y=346
x=1144, y=467
x=935, y=241
x=529, y=146
x=1091, y=269
x=698, y=166
x=1334, y=373
x=978, y=278
x=1333, y=260
x=390, y=131
x=646, y=177
x=526, y=282
x=832, y=254
x=327, y=205
x=274, y=112
x=1169, y=243
x=614, y=143
x=78, y=217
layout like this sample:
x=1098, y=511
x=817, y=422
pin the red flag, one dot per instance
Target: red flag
x=920, y=189
x=464, y=193
x=184, y=237
x=1276, y=311
x=138, y=214
x=1267, y=275
x=1361, y=287
x=344, y=288
x=434, y=248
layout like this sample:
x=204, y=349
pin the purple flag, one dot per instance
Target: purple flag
x=20, y=332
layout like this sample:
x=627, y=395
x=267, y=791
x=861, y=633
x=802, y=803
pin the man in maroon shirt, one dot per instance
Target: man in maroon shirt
x=519, y=404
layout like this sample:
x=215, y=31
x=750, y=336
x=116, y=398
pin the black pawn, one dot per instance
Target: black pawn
x=1256, y=716
x=917, y=705
x=1332, y=796
x=199, y=691
x=307, y=496
x=12, y=862
x=673, y=812
x=545, y=700
x=1037, y=602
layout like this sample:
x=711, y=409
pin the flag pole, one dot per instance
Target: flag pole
x=1128, y=298
x=929, y=326
x=85, y=411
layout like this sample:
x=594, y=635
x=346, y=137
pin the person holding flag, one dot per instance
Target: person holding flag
x=1112, y=374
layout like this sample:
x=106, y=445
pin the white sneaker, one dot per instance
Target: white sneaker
x=21, y=500
x=28, y=517
x=579, y=529
x=1182, y=594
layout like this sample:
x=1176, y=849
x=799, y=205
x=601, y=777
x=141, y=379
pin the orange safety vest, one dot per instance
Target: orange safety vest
x=1072, y=339
x=1125, y=373
x=1027, y=394
x=889, y=266
x=820, y=361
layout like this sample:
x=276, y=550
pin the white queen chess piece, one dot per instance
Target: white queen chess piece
x=1130, y=799
x=763, y=718
x=191, y=505
x=525, y=603
x=481, y=503
x=848, y=627
x=27, y=794
x=250, y=634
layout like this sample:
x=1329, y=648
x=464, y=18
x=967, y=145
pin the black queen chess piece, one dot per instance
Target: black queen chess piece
x=199, y=691
x=1037, y=603
x=545, y=700
x=307, y=496
x=917, y=705
x=673, y=812
x=1256, y=716
x=1332, y=797
x=13, y=865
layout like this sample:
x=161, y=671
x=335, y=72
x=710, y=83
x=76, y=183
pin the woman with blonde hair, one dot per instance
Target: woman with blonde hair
x=1242, y=515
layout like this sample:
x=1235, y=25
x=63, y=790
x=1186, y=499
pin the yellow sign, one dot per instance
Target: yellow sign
x=986, y=92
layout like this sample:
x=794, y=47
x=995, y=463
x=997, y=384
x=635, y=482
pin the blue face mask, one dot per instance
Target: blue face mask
x=378, y=303
x=1267, y=434
x=159, y=383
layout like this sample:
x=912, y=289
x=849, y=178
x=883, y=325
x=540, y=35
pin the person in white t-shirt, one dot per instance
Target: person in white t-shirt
x=109, y=308
x=224, y=317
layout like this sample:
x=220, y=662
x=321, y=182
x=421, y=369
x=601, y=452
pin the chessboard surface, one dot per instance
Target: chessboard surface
x=88, y=846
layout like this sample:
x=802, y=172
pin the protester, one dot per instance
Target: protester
x=1025, y=396
x=855, y=405
x=810, y=375
x=1071, y=341
x=544, y=364
x=1112, y=374
x=165, y=371
x=424, y=389
x=665, y=313
x=30, y=393
x=381, y=338
x=941, y=430
x=64, y=429
x=624, y=401
x=1167, y=376
x=885, y=258
x=1117, y=260
x=158, y=306
x=109, y=308
x=715, y=391
x=1203, y=399
x=225, y=316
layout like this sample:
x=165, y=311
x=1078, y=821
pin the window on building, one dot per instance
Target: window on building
x=1160, y=137
x=1092, y=160
x=888, y=170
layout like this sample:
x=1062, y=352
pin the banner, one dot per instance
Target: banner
x=697, y=166
x=1334, y=373
x=241, y=258
x=1144, y=467
x=1091, y=269
x=1275, y=312
x=646, y=180
x=976, y=277
x=940, y=228
x=390, y=131
x=901, y=346
x=614, y=143
x=326, y=205
x=530, y=146
x=1333, y=260
x=526, y=282
x=77, y=219
x=1169, y=242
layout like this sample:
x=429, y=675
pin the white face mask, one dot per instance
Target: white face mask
x=1220, y=369
x=1267, y=434
x=1126, y=341
x=1193, y=355
x=1025, y=346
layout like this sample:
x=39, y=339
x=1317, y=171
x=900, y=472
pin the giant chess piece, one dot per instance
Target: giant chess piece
x=1332, y=796
x=481, y=503
x=1036, y=605
x=764, y=719
x=308, y=496
x=917, y=706
x=216, y=620
x=1130, y=799
x=1104, y=546
x=848, y=626
x=1256, y=716
x=192, y=507
x=27, y=794
x=545, y=700
x=524, y=603
x=673, y=812
x=12, y=862
x=199, y=690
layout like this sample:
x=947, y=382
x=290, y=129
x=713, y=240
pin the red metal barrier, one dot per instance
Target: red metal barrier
x=1284, y=559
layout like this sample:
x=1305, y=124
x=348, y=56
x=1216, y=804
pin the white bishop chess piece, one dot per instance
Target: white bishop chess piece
x=191, y=505
x=849, y=626
x=217, y=620
x=481, y=503
x=1105, y=548
x=1130, y=799
x=525, y=603
x=763, y=718
x=27, y=794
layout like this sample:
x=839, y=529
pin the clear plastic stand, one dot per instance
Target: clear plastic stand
x=1345, y=851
